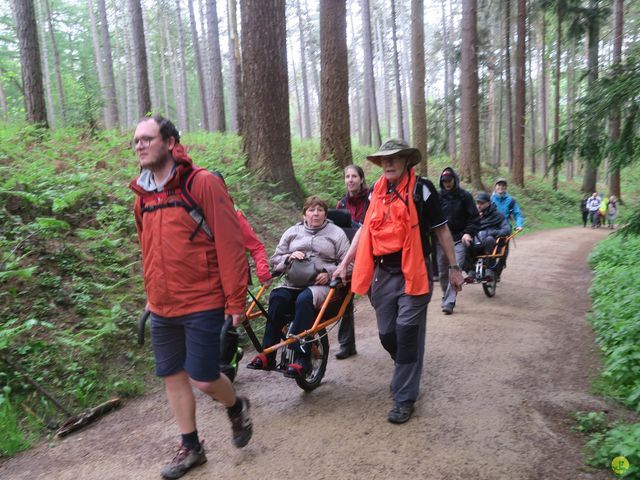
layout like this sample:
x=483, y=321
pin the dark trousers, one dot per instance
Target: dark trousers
x=284, y=302
x=585, y=217
x=347, y=331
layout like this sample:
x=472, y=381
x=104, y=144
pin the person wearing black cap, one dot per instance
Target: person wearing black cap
x=493, y=224
x=391, y=253
x=462, y=217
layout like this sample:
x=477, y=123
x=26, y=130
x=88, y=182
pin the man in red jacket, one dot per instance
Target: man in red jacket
x=193, y=277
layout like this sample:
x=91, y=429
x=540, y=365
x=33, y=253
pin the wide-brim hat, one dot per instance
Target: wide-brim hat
x=501, y=180
x=396, y=147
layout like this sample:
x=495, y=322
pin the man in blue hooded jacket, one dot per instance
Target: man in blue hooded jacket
x=506, y=204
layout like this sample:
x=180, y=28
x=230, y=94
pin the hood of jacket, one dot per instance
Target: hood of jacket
x=456, y=180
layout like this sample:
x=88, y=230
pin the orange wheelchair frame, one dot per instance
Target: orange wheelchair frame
x=316, y=335
x=482, y=263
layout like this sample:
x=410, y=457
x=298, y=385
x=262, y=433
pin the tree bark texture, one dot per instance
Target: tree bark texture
x=469, y=119
x=140, y=57
x=235, y=69
x=593, y=37
x=110, y=99
x=507, y=57
x=26, y=29
x=97, y=55
x=45, y=67
x=217, y=120
x=517, y=173
x=371, y=107
x=614, y=128
x=532, y=93
x=204, y=114
x=543, y=93
x=396, y=70
x=306, y=112
x=418, y=103
x=56, y=63
x=556, y=113
x=335, y=140
x=183, y=97
x=266, y=131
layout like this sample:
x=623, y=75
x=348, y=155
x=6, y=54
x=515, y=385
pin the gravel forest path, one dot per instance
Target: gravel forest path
x=502, y=376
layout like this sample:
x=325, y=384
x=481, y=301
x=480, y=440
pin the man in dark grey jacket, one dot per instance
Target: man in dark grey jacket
x=493, y=225
x=463, y=220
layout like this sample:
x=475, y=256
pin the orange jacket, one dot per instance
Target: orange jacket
x=255, y=247
x=183, y=276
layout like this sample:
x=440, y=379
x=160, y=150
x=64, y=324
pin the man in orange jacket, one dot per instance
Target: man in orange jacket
x=193, y=276
x=391, y=265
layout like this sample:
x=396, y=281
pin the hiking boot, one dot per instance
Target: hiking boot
x=262, y=362
x=400, y=413
x=183, y=461
x=447, y=309
x=241, y=425
x=346, y=352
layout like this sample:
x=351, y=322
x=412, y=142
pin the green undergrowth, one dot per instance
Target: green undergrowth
x=616, y=302
x=70, y=275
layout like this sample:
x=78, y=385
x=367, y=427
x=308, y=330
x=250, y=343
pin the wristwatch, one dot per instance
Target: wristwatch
x=455, y=267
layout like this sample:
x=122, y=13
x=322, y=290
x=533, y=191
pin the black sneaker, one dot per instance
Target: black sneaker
x=241, y=425
x=183, y=461
x=400, y=413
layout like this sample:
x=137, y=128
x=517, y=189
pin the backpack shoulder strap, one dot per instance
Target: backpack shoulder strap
x=194, y=210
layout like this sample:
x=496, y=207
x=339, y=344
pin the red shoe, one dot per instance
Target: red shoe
x=298, y=369
x=261, y=362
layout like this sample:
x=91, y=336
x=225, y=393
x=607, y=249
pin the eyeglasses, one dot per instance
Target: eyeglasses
x=142, y=141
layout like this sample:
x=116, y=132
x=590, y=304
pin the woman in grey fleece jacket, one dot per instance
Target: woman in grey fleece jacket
x=326, y=245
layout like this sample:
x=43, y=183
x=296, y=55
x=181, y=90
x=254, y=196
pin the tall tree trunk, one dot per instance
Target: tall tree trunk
x=198, y=59
x=571, y=98
x=266, y=131
x=140, y=58
x=56, y=64
x=450, y=139
x=121, y=54
x=97, y=56
x=360, y=126
x=369, y=79
x=517, y=173
x=131, y=81
x=297, y=92
x=45, y=67
x=235, y=70
x=543, y=93
x=469, y=120
x=453, y=107
x=507, y=57
x=150, y=75
x=532, y=93
x=162, y=33
x=306, y=113
x=418, y=103
x=385, y=76
x=335, y=141
x=217, y=121
x=110, y=99
x=556, y=113
x=405, y=76
x=593, y=35
x=396, y=70
x=26, y=29
x=614, y=177
x=183, y=97
x=3, y=105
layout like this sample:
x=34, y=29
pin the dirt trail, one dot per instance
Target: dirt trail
x=502, y=374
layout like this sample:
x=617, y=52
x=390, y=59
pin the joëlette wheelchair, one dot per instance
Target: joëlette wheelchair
x=315, y=338
x=479, y=264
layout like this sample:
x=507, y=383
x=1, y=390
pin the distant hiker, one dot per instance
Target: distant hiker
x=391, y=253
x=612, y=211
x=506, y=204
x=191, y=281
x=584, y=210
x=509, y=207
x=356, y=200
x=602, y=211
x=593, y=205
x=462, y=217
